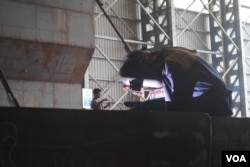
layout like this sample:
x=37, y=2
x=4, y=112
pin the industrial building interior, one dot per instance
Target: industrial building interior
x=194, y=24
x=54, y=53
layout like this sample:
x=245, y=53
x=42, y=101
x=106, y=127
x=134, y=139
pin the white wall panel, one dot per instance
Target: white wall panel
x=197, y=36
x=103, y=69
x=246, y=38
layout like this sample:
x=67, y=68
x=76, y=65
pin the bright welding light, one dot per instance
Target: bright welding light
x=149, y=83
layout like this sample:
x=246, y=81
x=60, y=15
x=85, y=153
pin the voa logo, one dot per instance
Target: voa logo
x=236, y=158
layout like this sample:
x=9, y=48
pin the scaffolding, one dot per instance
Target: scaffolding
x=215, y=30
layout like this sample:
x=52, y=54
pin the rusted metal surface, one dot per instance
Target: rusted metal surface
x=46, y=40
x=59, y=137
x=37, y=61
x=43, y=94
x=85, y=6
x=229, y=134
x=55, y=24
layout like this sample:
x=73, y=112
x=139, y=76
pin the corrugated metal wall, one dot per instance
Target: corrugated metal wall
x=196, y=35
x=109, y=52
x=246, y=38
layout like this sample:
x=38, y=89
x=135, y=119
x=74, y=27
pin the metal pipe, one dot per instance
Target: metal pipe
x=107, y=58
x=105, y=9
x=196, y=30
x=245, y=6
x=126, y=40
x=112, y=59
x=191, y=22
x=195, y=33
x=185, y=9
x=119, y=100
x=231, y=66
x=127, y=27
x=95, y=81
x=209, y=52
x=105, y=80
x=105, y=90
x=127, y=48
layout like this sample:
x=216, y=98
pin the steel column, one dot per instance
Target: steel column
x=158, y=23
x=226, y=38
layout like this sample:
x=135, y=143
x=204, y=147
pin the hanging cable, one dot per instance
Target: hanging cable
x=127, y=48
